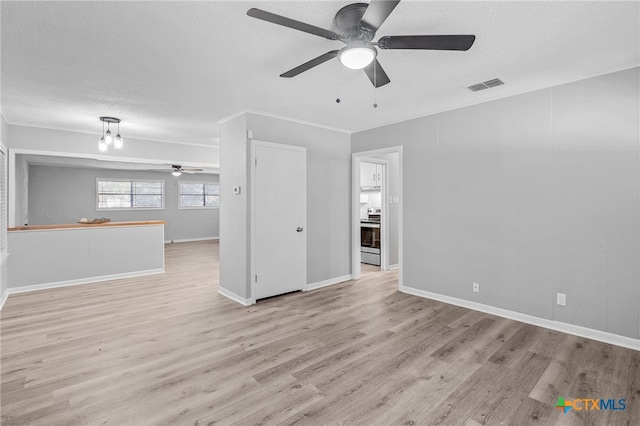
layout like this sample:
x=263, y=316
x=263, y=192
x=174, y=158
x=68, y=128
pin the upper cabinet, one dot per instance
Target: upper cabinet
x=370, y=175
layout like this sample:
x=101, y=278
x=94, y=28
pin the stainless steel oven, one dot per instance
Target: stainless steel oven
x=370, y=238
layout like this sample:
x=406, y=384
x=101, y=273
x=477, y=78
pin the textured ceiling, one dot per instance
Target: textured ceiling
x=172, y=70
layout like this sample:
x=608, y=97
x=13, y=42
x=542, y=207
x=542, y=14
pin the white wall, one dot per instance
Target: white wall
x=328, y=200
x=529, y=196
x=66, y=194
x=86, y=145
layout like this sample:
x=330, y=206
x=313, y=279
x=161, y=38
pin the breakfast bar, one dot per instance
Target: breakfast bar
x=45, y=256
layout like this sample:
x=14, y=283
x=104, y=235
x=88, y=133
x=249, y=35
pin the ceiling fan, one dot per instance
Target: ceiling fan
x=356, y=25
x=177, y=170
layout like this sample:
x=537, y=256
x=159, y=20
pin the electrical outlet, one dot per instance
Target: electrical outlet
x=476, y=287
x=561, y=299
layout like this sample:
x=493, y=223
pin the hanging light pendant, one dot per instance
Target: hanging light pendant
x=107, y=138
x=102, y=144
x=118, y=142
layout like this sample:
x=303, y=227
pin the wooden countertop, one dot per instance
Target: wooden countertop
x=85, y=225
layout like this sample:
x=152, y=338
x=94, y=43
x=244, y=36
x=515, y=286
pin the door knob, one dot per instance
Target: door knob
x=299, y=229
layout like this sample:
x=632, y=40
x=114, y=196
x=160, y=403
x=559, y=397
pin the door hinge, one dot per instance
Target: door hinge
x=256, y=278
x=256, y=162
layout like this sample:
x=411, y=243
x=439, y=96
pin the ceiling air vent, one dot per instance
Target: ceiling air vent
x=485, y=85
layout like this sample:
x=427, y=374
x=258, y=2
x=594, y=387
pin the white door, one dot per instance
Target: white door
x=280, y=219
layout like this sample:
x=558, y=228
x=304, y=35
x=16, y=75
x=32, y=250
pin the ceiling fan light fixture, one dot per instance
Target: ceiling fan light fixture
x=176, y=173
x=357, y=56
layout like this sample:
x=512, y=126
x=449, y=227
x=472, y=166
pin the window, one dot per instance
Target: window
x=124, y=194
x=199, y=194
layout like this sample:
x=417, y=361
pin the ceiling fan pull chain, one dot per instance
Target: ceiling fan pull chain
x=337, y=82
x=375, y=81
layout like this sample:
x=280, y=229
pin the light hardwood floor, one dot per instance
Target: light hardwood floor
x=168, y=350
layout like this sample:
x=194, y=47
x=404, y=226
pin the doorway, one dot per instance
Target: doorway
x=278, y=231
x=390, y=212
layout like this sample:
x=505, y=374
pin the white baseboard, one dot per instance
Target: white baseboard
x=189, y=240
x=90, y=280
x=325, y=283
x=4, y=298
x=231, y=295
x=394, y=266
x=576, y=330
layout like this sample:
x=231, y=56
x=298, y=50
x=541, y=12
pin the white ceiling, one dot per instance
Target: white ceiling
x=172, y=70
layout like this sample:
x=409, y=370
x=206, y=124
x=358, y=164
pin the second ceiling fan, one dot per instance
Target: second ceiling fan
x=356, y=25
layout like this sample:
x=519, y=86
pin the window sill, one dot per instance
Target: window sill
x=199, y=208
x=129, y=209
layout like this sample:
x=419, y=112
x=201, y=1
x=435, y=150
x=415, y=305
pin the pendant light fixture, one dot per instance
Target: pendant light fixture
x=107, y=138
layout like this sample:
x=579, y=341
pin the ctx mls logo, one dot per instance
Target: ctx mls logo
x=588, y=404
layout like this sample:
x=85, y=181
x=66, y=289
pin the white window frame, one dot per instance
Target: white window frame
x=197, y=207
x=107, y=209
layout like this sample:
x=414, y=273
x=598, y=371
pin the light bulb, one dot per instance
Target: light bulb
x=108, y=138
x=176, y=173
x=102, y=145
x=118, y=143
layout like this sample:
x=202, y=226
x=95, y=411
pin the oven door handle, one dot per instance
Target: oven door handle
x=369, y=225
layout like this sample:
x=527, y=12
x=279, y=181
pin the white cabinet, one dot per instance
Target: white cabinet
x=370, y=175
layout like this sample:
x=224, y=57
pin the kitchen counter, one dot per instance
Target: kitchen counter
x=84, y=225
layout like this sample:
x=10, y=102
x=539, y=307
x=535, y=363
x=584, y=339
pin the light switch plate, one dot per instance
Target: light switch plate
x=476, y=287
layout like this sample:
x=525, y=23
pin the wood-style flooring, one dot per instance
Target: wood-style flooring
x=169, y=350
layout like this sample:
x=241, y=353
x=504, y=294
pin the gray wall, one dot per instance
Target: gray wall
x=4, y=131
x=66, y=194
x=328, y=197
x=234, y=218
x=21, y=178
x=528, y=195
x=4, y=136
x=328, y=191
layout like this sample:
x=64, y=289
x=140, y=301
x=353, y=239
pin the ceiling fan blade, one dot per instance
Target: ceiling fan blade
x=376, y=13
x=427, y=42
x=308, y=65
x=191, y=170
x=376, y=74
x=292, y=23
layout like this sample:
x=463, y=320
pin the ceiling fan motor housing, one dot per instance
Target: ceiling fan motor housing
x=347, y=23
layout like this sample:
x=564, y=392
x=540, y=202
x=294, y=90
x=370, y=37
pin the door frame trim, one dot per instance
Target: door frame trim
x=252, y=216
x=356, y=158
